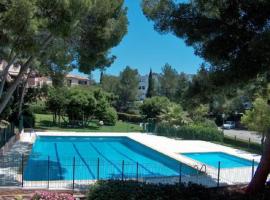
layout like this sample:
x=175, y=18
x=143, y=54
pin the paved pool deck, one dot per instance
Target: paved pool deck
x=173, y=148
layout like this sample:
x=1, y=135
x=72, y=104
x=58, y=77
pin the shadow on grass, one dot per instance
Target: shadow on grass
x=47, y=124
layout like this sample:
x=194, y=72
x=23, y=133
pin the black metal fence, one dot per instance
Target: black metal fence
x=6, y=133
x=77, y=173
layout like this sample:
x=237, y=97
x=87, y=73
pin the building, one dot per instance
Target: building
x=36, y=81
x=143, y=85
x=73, y=80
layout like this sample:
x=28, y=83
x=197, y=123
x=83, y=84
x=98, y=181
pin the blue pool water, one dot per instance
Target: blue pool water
x=61, y=158
x=226, y=160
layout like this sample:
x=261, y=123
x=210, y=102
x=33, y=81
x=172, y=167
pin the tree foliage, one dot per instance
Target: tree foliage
x=151, y=90
x=258, y=118
x=168, y=81
x=86, y=30
x=153, y=107
x=81, y=105
x=175, y=115
x=128, y=88
x=232, y=35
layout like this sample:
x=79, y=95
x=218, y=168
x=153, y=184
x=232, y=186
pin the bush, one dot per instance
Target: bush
x=52, y=196
x=117, y=190
x=130, y=117
x=109, y=117
x=38, y=107
x=132, y=190
x=192, y=132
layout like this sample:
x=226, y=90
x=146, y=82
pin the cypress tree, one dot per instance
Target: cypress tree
x=151, y=86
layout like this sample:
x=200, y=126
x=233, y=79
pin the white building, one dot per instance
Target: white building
x=73, y=80
x=143, y=86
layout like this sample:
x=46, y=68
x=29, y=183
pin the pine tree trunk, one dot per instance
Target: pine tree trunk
x=257, y=183
x=24, y=68
x=14, y=85
x=5, y=74
x=23, y=95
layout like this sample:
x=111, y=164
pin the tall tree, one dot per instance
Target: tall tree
x=258, y=119
x=110, y=83
x=151, y=90
x=228, y=35
x=128, y=88
x=30, y=28
x=182, y=86
x=168, y=81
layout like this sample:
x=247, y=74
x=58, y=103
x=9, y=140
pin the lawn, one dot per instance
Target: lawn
x=45, y=122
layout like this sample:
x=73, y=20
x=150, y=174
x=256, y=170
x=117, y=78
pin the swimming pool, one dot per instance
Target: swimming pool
x=226, y=160
x=91, y=158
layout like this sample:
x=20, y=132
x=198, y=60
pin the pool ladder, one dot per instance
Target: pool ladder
x=200, y=170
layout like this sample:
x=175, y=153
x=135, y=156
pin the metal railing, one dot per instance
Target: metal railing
x=6, y=133
x=79, y=173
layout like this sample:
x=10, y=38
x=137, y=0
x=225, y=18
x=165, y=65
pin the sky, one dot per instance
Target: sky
x=144, y=48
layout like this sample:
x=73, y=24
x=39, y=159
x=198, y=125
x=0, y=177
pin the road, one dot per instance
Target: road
x=244, y=135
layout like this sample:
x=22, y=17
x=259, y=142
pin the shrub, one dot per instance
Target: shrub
x=109, y=117
x=52, y=196
x=191, y=132
x=130, y=117
x=117, y=190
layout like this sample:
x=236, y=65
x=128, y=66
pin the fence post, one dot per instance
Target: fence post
x=5, y=135
x=218, y=173
x=123, y=164
x=48, y=183
x=98, y=169
x=137, y=171
x=235, y=138
x=252, y=172
x=22, y=168
x=180, y=173
x=248, y=143
x=73, y=175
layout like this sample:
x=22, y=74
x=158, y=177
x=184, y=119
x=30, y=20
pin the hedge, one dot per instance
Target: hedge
x=128, y=190
x=191, y=132
x=130, y=117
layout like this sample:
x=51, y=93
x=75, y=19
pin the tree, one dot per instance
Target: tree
x=200, y=89
x=182, y=87
x=56, y=102
x=110, y=83
x=152, y=108
x=258, y=119
x=30, y=28
x=227, y=35
x=151, y=90
x=81, y=105
x=168, y=81
x=128, y=88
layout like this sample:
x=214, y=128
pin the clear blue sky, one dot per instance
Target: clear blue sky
x=144, y=48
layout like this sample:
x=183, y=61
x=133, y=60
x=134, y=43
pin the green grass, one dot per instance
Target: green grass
x=45, y=122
